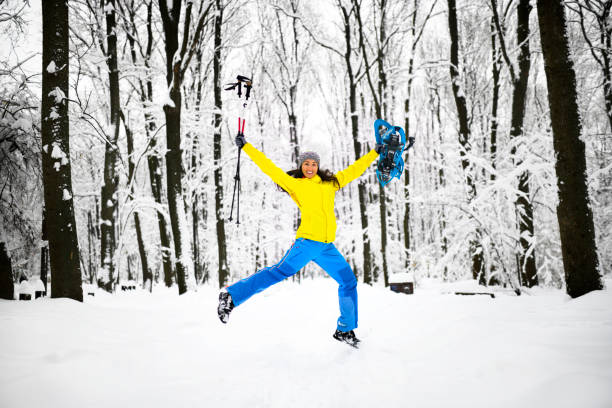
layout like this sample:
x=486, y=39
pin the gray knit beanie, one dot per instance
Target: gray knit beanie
x=309, y=155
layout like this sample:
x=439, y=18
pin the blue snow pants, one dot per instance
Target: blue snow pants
x=301, y=252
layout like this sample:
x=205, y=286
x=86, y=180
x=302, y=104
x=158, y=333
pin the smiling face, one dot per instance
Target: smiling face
x=309, y=168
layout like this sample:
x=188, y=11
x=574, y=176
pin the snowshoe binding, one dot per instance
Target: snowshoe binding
x=347, y=337
x=390, y=162
x=226, y=305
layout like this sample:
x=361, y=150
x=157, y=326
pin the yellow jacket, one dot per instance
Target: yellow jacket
x=314, y=197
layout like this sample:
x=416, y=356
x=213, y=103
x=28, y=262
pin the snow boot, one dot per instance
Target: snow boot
x=226, y=305
x=347, y=337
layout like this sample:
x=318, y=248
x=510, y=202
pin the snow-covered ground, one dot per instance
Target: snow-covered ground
x=430, y=349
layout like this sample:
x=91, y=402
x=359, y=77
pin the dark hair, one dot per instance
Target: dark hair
x=326, y=176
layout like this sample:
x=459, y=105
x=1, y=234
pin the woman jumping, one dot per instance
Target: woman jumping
x=313, y=190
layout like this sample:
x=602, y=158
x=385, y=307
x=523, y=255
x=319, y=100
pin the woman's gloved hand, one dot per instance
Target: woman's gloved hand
x=240, y=141
x=379, y=148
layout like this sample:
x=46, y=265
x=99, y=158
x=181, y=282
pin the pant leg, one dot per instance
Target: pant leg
x=336, y=266
x=301, y=252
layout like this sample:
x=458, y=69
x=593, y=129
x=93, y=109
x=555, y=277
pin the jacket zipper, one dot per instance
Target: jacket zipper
x=324, y=215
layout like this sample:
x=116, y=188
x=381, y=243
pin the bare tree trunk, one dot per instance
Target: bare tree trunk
x=519, y=95
x=155, y=177
x=496, y=69
x=437, y=118
x=407, y=129
x=495, y=56
x=153, y=160
x=111, y=156
x=292, y=118
x=464, y=131
x=367, y=256
x=205, y=267
x=147, y=275
x=174, y=165
x=380, y=107
x=44, y=252
x=382, y=113
x=195, y=162
x=416, y=36
x=92, y=236
x=524, y=207
x=195, y=218
x=221, y=238
x=578, y=244
x=57, y=180
x=7, y=287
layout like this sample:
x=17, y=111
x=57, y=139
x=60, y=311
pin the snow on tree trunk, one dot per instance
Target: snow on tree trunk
x=174, y=166
x=44, y=252
x=147, y=275
x=378, y=95
x=367, y=255
x=154, y=162
x=109, y=200
x=223, y=269
x=475, y=248
x=61, y=225
x=527, y=262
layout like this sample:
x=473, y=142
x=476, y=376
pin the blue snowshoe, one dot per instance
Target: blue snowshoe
x=390, y=162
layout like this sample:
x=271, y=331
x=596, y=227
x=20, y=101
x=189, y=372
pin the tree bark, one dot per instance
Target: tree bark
x=7, y=287
x=406, y=223
x=576, y=227
x=416, y=36
x=91, y=238
x=524, y=206
x=57, y=181
x=147, y=275
x=464, y=131
x=367, y=256
x=221, y=238
x=153, y=160
x=195, y=162
x=44, y=252
x=382, y=113
x=111, y=155
x=174, y=165
x=496, y=69
x=437, y=119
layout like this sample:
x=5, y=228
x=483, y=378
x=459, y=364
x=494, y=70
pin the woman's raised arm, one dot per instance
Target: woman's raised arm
x=268, y=167
x=356, y=169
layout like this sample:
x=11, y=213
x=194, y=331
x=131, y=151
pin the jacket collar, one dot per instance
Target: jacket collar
x=314, y=179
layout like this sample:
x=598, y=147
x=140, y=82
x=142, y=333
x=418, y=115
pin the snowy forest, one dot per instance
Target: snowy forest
x=130, y=210
x=117, y=138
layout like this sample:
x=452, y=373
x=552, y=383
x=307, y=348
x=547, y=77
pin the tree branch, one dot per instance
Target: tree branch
x=502, y=41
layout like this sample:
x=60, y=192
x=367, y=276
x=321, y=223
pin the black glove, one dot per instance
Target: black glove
x=410, y=142
x=379, y=148
x=240, y=141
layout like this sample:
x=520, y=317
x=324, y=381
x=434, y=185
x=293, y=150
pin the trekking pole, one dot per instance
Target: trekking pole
x=237, y=179
x=248, y=85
